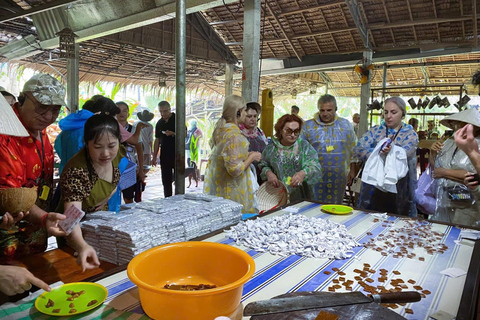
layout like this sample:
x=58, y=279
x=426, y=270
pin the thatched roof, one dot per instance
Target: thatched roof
x=326, y=27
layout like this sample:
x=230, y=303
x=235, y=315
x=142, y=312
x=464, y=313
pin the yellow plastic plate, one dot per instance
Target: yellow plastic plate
x=337, y=209
x=93, y=291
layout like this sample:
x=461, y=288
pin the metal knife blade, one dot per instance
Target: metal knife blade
x=314, y=300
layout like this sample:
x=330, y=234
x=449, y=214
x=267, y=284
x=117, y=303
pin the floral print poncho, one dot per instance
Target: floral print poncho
x=285, y=161
x=226, y=175
x=334, y=143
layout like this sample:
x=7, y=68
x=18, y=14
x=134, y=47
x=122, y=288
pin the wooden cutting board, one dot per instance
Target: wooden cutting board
x=366, y=311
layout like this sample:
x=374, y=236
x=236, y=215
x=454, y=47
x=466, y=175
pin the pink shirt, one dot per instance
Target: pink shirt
x=125, y=134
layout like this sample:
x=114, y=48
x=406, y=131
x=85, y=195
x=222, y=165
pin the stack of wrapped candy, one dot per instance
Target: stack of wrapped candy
x=117, y=238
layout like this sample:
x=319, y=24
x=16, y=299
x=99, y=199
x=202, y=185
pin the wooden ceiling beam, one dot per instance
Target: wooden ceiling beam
x=286, y=13
x=436, y=16
x=354, y=8
x=475, y=30
x=463, y=22
x=198, y=22
x=271, y=50
x=411, y=19
x=310, y=31
x=409, y=23
x=277, y=20
x=373, y=27
x=350, y=32
x=371, y=38
x=312, y=8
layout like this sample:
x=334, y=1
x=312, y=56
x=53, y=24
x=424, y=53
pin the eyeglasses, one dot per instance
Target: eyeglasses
x=42, y=109
x=289, y=132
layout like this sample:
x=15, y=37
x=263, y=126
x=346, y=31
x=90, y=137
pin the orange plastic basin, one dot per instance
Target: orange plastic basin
x=191, y=263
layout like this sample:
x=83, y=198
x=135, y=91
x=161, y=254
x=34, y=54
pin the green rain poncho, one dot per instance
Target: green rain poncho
x=285, y=161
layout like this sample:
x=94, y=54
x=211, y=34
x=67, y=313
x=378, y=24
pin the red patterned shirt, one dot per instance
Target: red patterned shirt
x=23, y=159
x=25, y=162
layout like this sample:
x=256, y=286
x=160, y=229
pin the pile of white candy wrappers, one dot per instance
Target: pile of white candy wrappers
x=295, y=234
x=117, y=238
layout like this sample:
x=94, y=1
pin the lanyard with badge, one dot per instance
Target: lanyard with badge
x=40, y=181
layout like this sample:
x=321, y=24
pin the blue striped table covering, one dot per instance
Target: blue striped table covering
x=275, y=275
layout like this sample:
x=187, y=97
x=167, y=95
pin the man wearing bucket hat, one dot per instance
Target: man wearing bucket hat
x=147, y=135
x=455, y=203
x=27, y=162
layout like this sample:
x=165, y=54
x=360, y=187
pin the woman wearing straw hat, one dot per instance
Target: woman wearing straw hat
x=455, y=203
x=228, y=172
x=290, y=160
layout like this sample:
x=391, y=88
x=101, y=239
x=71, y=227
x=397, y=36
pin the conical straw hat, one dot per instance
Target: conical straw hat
x=10, y=124
x=458, y=120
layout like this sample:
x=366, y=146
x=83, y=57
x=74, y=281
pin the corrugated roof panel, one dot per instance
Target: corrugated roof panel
x=49, y=22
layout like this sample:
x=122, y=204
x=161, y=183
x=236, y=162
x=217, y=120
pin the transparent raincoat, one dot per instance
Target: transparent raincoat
x=465, y=212
x=334, y=143
x=405, y=198
x=285, y=161
x=226, y=174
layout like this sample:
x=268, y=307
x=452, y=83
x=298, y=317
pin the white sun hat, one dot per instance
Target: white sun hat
x=10, y=124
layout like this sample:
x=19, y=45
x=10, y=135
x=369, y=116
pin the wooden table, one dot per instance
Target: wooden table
x=57, y=265
x=426, y=143
x=277, y=275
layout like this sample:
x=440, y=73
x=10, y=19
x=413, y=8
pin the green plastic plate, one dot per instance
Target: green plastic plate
x=337, y=209
x=93, y=291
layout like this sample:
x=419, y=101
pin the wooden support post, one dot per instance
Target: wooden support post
x=228, y=79
x=365, y=95
x=73, y=80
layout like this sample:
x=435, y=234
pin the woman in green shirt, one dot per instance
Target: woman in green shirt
x=291, y=160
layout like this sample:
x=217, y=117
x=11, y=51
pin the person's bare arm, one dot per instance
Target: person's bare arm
x=141, y=173
x=15, y=280
x=156, y=147
x=465, y=141
x=352, y=173
x=434, y=150
x=252, y=156
x=454, y=175
x=133, y=140
x=50, y=221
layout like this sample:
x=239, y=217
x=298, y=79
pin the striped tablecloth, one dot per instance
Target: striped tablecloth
x=277, y=275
